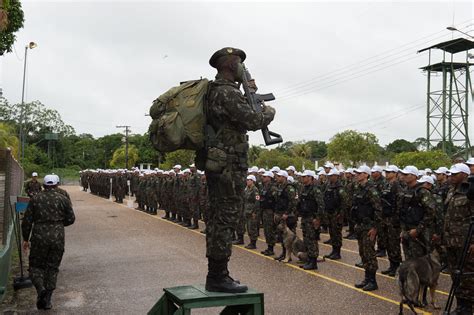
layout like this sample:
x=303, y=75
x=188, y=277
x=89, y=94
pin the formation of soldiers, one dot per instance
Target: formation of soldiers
x=385, y=209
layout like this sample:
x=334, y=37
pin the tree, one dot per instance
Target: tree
x=181, y=157
x=270, y=158
x=401, y=145
x=254, y=153
x=319, y=149
x=8, y=138
x=118, y=159
x=146, y=152
x=353, y=147
x=302, y=150
x=450, y=148
x=11, y=20
x=422, y=159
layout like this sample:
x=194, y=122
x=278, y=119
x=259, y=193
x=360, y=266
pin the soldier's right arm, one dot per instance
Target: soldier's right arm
x=69, y=217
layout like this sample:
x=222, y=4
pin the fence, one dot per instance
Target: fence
x=11, y=182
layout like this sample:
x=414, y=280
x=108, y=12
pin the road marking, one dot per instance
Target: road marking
x=350, y=286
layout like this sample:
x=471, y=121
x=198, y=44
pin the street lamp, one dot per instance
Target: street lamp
x=453, y=29
x=31, y=45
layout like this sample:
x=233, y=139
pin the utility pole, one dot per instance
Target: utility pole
x=127, y=132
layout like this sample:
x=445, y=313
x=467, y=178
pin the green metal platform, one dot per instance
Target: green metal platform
x=180, y=301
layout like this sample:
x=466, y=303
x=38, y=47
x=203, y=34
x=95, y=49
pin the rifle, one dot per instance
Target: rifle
x=256, y=101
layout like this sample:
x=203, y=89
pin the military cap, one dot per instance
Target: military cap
x=225, y=52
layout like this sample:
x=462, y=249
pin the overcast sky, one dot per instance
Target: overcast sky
x=332, y=65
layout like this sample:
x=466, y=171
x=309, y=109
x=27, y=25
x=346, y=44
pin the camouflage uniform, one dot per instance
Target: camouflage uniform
x=47, y=214
x=251, y=198
x=390, y=224
x=417, y=211
x=366, y=209
x=456, y=226
x=285, y=204
x=268, y=195
x=194, y=188
x=310, y=207
x=32, y=187
x=335, y=200
x=229, y=114
x=203, y=199
x=382, y=237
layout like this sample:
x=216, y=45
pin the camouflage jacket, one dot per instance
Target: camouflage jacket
x=335, y=199
x=229, y=114
x=32, y=187
x=287, y=199
x=48, y=207
x=251, y=200
x=458, y=216
x=268, y=194
x=367, y=206
x=311, y=202
x=418, y=210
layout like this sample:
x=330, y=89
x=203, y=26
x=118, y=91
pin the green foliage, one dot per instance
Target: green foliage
x=182, y=157
x=451, y=149
x=422, y=159
x=8, y=139
x=352, y=147
x=118, y=158
x=319, y=149
x=401, y=145
x=254, y=153
x=15, y=22
x=146, y=152
x=270, y=158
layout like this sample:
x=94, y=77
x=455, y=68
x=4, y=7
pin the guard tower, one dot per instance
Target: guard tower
x=447, y=97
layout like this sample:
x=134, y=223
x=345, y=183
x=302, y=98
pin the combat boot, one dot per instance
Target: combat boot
x=359, y=264
x=154, y=212
x=282, y=256
x=312, y=264
x=47, y=300
x=371, y=284
x=352, y=237
x=41, y=299
x=218, y=279
x=336, y=253
x=364, y=282
x=381, y=253
x=239, y=240
x=392, y=270
x=269, y=251
x=174, y=218
x=166, y=216
x=252, y=245
x=195, y=225
x=330, y=254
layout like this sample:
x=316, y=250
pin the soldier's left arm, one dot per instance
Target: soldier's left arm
x=376, y=202
x=319, y=197
x=345, y=204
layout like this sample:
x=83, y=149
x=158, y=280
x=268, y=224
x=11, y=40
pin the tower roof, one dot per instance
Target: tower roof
x=453, y=46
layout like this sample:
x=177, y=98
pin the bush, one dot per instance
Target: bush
x=422, y=160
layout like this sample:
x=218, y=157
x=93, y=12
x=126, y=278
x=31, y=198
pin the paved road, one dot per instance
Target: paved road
x=117, y=261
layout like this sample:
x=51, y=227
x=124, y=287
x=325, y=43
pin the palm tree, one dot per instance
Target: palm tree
x=302, y=150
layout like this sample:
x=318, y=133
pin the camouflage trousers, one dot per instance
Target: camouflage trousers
x=413, y=248
x=194, y=210
x=309, y=237
x=269, y=228
x=366, y=249
x=389, y=234
x=335, y=229
x=226, y=192
x=252, y=225
x=466, y=287
x=240, y=229
x=44, y=260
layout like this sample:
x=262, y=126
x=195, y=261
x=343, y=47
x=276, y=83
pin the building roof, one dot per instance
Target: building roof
x=453, y=46
x=446, y=65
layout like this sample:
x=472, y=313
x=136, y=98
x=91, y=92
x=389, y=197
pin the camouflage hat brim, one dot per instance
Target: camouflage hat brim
x=225, y=52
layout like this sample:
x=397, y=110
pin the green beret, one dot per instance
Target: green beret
x=224, y=52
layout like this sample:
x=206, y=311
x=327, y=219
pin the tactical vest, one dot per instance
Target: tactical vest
x=389, y=201
x=411, y=212
x=283, y=200
x=332, y=200
x=362, y=208
x=266, y=200
x=308, y=204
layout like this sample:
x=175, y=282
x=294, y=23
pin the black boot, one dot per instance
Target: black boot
x=187, y=223
x=47, y=300
x=166, y=216
x=392, y=270
x=252, y=245
x=195, y=225
x=364, y=282
x=381, y=253
x=359, y=264
x=41, y=299
x=154, y=212
x=269, y=251
x=218, y=279
x=239, y=240
x=282, y=256
x=372, y=283
x=311, y=264
x=336, y=253
x=328, y=242
x=331, y=253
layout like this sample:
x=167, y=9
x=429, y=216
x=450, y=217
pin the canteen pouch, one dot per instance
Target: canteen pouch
x=216, y=160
